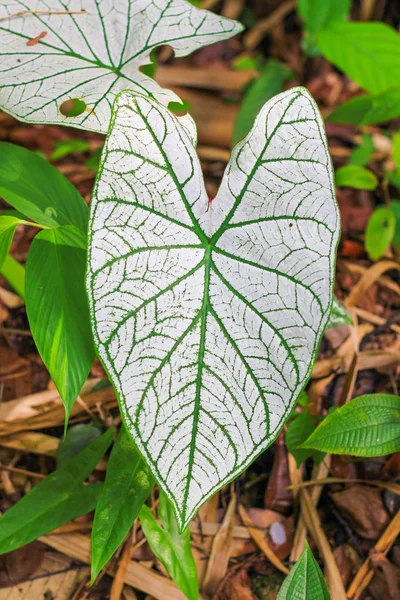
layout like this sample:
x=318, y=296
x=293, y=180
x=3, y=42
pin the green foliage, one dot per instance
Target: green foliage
x=171, y=547
x=366, y=426
x=269, y=84
x=363, y=153
x=305, y=580
x=395, y=208
x=380, y=232
x=339, y=315
x=38, y=190
x=369, y=109
x=299, y=429
x=56, y=500
x=357, y=177
x=127, y=485
x=57, y=308
x=369, y=53
x=64, y=148
x=8, y=226
x=14, y=273
x=318, y=15
x=75, y=440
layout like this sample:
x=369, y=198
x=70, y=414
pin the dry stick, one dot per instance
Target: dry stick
x=263, y=27
x=120, y=575
x=383, y=545
x=393, y=487
x=23, y=13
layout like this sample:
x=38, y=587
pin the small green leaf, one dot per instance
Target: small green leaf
x=37, y=189
x=366, y=426
x=396, y=149
x=380, y=232
x=76, y=439
x=369, y=53
x=339, y=315
x=395, y=208
x=127, y=485
x=297, y=432
x=269, y=84
x=57, y=308
x=66, y=147
x=58, y=499
x=8, y=225
x=318, y=15
x=172, y=548
x=14, y=273
x=362, y=154
x=369, y=109
x=305, y=580
x=356, y=177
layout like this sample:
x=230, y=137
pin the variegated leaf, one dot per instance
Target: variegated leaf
x=50, y=53
x=208, y=315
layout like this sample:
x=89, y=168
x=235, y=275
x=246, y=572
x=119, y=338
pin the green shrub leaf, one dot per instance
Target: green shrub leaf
x=57, y=308
x=208, y=315
x=366, y=426
x=369, y=53
x=85, y=60
x=356, y=177
x=38, y=190
x=369, y=109
x=127, y=485
x=299, y=429
x=318, y=15
x=395, y=208
x=264, y=88
x=305, y=580
x=380, y=232
x=363, y=153
x=58, y=499
x=8, y=225
x=172, y=548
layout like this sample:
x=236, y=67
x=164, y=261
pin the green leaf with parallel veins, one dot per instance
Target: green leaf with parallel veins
x=76, y=439
x=366, y=426
x=37, y=189
x=57, y=308
x=207, y=315
x=369, y=109
x=262, y=89
x=369, y=53
x=395, y=208
x=49, y=59
x=127, y=485
x=380, y=232
x=356, y=177
x=172, y=548
x=58, y=499
x=305, y=580
x=8, y=225
x=339, y=315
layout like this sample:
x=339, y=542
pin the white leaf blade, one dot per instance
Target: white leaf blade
x=93, y=56
x=211, y=343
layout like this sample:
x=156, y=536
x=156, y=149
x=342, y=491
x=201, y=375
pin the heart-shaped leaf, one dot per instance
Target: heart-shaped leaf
x=208, y=315
x=49, y=56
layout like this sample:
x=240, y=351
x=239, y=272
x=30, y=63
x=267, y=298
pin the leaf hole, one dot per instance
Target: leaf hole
x=73, y=108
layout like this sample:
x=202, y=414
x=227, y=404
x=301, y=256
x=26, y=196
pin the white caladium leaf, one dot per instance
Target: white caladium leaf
x=48, y=56
x=208, y=315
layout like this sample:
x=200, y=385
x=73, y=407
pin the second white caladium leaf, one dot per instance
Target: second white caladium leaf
x=208, y=315
x=50, y=52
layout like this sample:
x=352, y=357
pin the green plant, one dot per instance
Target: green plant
x=305, y=581
x=366, y=426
